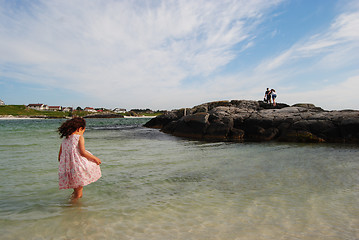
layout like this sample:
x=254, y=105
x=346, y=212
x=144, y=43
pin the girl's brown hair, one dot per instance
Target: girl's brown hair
x=70, y=126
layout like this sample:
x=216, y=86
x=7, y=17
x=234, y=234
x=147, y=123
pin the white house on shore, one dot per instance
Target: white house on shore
x=89, y=109
x=67, y=109
x=38, y=106
x=43, y=107
x=2, y=102
x=119, y=110
x=55, y=108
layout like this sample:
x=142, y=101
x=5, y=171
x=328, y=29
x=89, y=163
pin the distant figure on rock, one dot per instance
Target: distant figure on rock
x=274, y=96
x=267, y=96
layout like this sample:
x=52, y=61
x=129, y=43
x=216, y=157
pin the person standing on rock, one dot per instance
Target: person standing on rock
x=274, y=96
x=267, y=97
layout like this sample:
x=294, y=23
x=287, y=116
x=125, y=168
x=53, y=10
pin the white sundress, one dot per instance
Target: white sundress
x=74, y=169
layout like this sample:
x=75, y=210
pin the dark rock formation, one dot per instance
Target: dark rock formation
x=242, y=120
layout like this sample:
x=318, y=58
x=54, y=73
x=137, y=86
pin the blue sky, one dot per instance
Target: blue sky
x=172, y=54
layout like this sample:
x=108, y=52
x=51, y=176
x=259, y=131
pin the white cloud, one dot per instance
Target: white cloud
x=143, y=53
x=321, y=69
x=115, y=50
x=342, y=36
x=331, y=97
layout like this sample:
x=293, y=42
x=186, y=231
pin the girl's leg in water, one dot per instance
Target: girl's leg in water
x=77, y=193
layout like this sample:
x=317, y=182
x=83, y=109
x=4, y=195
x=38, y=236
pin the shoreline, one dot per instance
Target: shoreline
x=10, y=117
x=139, y=116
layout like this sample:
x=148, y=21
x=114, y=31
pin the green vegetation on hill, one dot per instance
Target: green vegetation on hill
x=21, y=110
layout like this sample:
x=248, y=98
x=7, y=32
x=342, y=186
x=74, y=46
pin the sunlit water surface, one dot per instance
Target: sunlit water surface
x=156, y=186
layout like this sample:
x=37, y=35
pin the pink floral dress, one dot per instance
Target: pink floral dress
x=74, y=169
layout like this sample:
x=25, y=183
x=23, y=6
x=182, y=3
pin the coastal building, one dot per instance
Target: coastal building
x=2, y=102
x=119, y=110
x=54, y=108
x=89, y=109
x=38, y=106
x=67, y=109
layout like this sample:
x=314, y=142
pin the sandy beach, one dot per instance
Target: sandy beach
x=10, y=117
x=139, y=116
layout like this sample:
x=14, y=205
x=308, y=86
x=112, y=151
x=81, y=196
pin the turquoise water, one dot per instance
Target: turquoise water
x=156, y=186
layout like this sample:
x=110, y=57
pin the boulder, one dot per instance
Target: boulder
x=162, y=120
x=193, y=126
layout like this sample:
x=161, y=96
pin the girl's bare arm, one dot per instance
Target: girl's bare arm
x=60, y=152
x=86, y=154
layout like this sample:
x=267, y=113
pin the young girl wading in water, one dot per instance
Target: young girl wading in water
x=77, y=167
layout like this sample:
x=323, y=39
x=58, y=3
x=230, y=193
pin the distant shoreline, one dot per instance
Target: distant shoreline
x=139, y=116
x=10, y=117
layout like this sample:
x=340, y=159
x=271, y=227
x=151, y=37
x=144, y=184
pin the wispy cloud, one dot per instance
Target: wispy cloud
x=117, y=50
x=342, y=36
x=340, y=95
x=167, y=54
x=321, y=68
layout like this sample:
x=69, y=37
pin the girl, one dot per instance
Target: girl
x=274, y=96
x=77, y=167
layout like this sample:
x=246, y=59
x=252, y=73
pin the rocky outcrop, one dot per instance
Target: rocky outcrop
x=243, y=120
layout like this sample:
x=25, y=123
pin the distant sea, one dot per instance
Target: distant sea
x=156, y=186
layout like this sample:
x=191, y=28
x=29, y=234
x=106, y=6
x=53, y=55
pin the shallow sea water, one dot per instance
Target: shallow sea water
x=156, y=186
